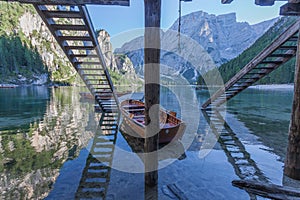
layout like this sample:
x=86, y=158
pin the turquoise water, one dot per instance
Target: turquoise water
x=46, y=137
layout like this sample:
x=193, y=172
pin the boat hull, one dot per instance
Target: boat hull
x=166, y=133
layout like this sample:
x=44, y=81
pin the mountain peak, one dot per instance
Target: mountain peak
x=221, y=37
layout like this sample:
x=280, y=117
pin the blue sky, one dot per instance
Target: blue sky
x=117, y=19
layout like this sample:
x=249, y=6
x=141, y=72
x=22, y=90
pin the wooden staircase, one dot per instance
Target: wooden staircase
x=71, y=26
x=96, y=174
x=277, y=53
x=244, y=166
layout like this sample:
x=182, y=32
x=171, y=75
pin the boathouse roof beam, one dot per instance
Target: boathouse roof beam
x=75, y=2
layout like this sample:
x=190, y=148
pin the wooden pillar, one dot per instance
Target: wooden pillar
x=152, y=88
x=292, y=162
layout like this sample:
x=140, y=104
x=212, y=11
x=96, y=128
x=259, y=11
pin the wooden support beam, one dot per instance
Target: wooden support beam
x=264, y=2
x=75, y=2
x=62, y=14
x=226, y=1
x=294, y=1
x=291, y=9
x=292, y=161
x=152, y=89
x=267, y=190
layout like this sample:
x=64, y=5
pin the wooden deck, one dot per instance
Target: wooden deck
x=277, y=53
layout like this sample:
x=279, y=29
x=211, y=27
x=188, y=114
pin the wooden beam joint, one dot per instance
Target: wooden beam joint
x=74, y=2
x=264, y=2
x=226, y=1
x=292, y=9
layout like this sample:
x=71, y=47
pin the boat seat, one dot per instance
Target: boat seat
x=135, y=110
x=132, y=106
x=139, y=116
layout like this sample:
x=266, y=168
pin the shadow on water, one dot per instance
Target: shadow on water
x=244, y=166
x=96, y=173
x=267, y=114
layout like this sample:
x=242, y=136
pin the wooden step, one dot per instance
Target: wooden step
x=88, y=63
x=293, y=39
x=84, y=74
x=250, y=78
x=94, y=185
x=75, y=38
x=89, y=194
x=62, y=14
x=68, y=27
x=287, y=47
x=94, y=79
x=96, y=175
x=103, y=92
x=79, y=47
x=277, y=55
x=101, y=88
x=257, y=73
x=266, y=68
x=277, y=62
x=83, y=56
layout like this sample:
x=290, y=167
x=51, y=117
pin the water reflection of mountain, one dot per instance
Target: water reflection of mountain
x=266, y=113
x=21, y=106
x=31, y=158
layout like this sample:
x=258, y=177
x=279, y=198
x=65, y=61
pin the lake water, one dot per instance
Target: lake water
x=46, y=136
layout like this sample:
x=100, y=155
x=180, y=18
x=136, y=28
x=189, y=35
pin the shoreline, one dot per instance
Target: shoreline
x=273, y=87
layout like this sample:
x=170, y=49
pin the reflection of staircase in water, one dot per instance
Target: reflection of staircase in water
x=96, y=174
x=240, y=159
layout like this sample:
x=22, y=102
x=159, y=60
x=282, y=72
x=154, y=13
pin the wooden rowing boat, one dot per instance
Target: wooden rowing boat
x=171, y=128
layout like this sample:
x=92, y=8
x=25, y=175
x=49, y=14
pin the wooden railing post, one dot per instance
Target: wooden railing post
x=152, y=88
x=292, y=161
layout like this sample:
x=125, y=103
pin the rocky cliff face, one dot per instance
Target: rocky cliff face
x=118, y=63
x=220, y=39
x=34, y=33
x=106, y=48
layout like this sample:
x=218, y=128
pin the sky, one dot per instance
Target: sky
x=118, y=19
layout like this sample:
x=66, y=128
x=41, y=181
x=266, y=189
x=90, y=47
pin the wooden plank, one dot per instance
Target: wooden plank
x=83, y=74
x=226, y=1
x=88, y=63
x=75, y=38
x=264, y=2
x=62, y=14
x=287, y=47
x=276, y=55
x=290, y=9
x=277, y=62
x=79, y=47
x=294, y=1
x=267, y=190
x=152, y=92
x=292, y=161
x=69, y=27
x=84, y=55
x=75, y=2
x=177, y=192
